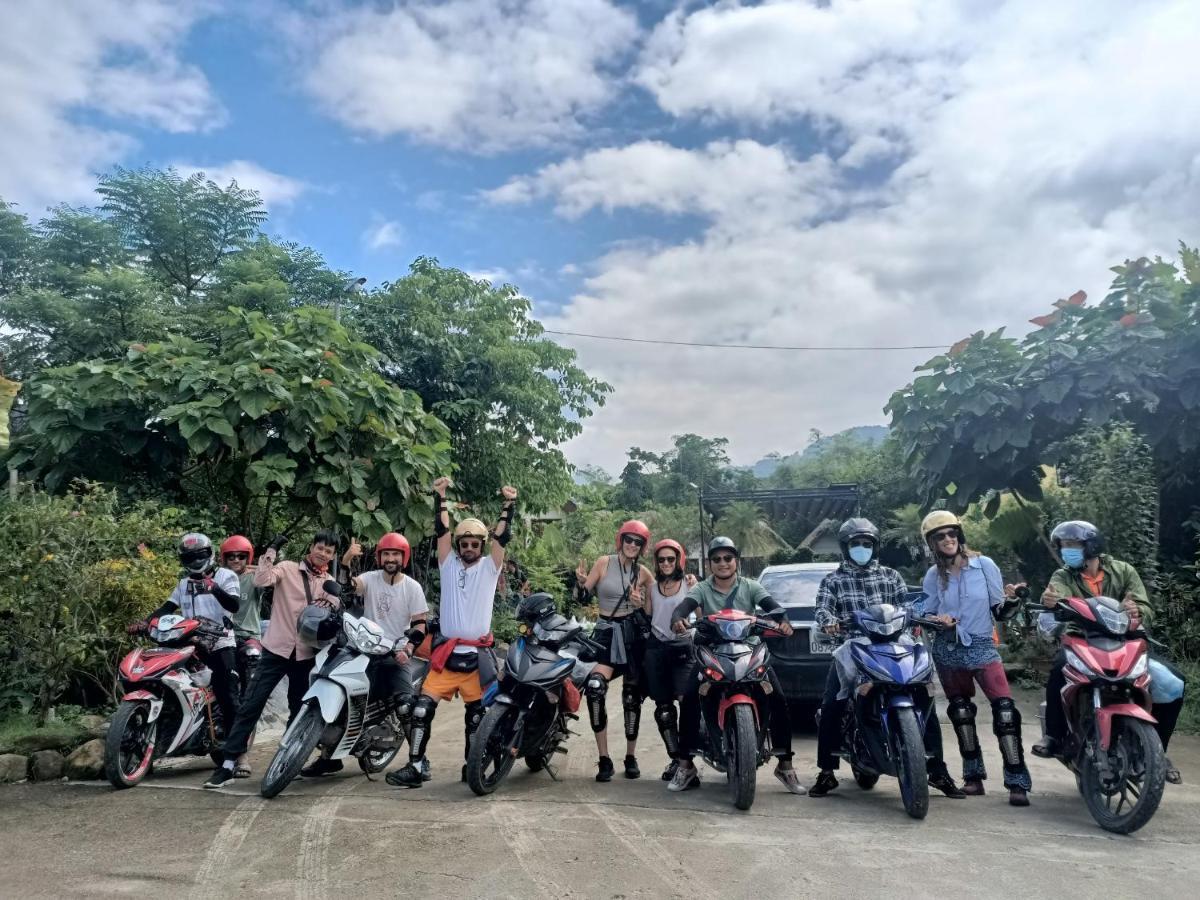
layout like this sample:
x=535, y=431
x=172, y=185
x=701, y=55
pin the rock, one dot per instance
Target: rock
x=95, y=726
x=87, y=762
x=13, y=767
x=45, y=739
x=46, y=765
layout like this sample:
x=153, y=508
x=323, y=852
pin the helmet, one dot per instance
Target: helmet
x=681, y=565
x=1089, y=534
x=637, y=529
x=195, y=552
x=394, y=541
x=856, y=528
x=470, y=528
x=722, y=543
x=536, y=606
x=936, y=521
x=317, y=624
x=237, y=544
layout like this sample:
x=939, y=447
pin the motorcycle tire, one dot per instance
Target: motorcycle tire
x=290, y=758
x=742, y=740
x=1138, y=743
x=129, y=734
x=372, y=762
x=489, y=750
x=865, y=780
x=910, y=764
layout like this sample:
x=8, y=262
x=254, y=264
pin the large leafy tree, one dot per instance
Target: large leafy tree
x=480, y=363
x=290, y=417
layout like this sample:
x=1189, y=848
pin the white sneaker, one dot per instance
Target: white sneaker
x=686, y=778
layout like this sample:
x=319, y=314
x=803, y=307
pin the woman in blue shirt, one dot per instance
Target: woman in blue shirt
x=962, y=588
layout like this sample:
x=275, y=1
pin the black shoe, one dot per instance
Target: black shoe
x=410, y=776
x=321, y=768
x=220, y=777
x=1049, y=748
x=946, y=785
x=606, y=770
x=631, y=767
x=670, y=770
x=825, y=783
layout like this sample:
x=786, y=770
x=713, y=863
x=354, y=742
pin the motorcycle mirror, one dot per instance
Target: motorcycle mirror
x=332, y=587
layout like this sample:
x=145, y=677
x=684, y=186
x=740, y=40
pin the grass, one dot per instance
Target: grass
x=18, y=729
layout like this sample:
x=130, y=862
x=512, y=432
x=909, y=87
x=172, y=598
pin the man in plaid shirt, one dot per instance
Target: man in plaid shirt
x=860, y=581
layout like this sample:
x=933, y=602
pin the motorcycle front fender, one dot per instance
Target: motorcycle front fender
x=330, y=696
x=156, y=703
x=735, y=700
x=900, y=701
x=1106, y=714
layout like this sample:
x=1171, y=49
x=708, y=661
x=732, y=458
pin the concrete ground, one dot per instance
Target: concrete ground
x=535, y=838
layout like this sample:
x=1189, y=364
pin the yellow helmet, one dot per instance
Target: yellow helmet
x=937, y=520
x=470, y=528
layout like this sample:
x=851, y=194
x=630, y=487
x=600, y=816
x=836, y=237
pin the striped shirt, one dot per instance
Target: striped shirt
x=851, y=587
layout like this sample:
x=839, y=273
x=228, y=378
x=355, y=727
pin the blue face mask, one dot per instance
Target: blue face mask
x=1072, y=557
x=861, y=555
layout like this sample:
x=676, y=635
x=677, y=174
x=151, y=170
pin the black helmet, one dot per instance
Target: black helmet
x=317, y=624
x=1077, y=530
x=856, y=528
x=536, y=606
x=722, y=543
x=195, y=552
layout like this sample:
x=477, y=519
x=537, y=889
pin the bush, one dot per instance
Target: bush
x=74, y=571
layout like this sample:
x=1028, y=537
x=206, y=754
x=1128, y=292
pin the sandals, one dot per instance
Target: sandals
x=1172, y=775
x=242, y=772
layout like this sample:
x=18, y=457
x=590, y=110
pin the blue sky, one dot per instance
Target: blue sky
x=788, y=172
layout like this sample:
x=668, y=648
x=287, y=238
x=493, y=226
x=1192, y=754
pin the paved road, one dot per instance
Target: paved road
x=348, y=837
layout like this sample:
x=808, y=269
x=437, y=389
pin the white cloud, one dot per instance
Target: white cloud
x=496, y=277
x=383, y=235
x=477, y=75
x=1034, y=145
x=274, y=189
x=115, y=58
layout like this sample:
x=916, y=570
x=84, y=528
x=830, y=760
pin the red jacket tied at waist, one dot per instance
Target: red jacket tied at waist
x=441, y=653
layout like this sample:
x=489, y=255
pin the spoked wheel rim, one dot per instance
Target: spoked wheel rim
x=137, y=743
x=1125, y=800
x=497, y=757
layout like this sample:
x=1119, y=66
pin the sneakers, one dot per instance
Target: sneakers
x=220, y=777
x=426, y=770
x=631, y=767
x=606, y=770
x=825, y=783
x=685, y=778
x=670, y=770
x=973, y=787
x=789, y=779
x=411, y=776
x=321, y=768
x=946, y=785
x=1018, y=797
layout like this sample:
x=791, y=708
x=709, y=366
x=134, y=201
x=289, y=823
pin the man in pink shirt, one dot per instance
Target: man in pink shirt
x=297, y=584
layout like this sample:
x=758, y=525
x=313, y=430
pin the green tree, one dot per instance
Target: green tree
x=743, y=522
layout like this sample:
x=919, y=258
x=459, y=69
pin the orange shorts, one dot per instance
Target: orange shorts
x=445, y=684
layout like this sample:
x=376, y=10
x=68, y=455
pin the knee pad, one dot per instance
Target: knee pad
x=665, y=716
x=422, y=717
x=1006, y=718
x=631, y=703
x=473, y=715
x=962, y=716
x=596, y=688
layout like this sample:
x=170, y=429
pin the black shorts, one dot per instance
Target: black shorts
x=669, y=668
x=635, y=647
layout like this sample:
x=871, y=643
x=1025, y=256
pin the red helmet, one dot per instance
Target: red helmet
x=394, y=541
x=237, y=544
x=677, y=547
x=636, y=528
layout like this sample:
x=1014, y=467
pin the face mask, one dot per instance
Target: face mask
x=861, y=555
x=1072, y=557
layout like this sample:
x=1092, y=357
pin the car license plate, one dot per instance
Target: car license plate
x=826, y=647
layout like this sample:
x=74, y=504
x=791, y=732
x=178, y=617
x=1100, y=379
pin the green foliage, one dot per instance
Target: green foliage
x=73, y=572
x=743, y=522
x=294, y=414
x=480, y=363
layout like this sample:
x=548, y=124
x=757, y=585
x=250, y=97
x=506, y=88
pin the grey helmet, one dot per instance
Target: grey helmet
x=317, y=624
x=856, y=528
x=1077, y=530
x=722, y=543
x=196, y=552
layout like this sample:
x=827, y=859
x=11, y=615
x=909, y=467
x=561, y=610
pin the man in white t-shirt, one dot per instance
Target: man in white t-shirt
x=462, y=660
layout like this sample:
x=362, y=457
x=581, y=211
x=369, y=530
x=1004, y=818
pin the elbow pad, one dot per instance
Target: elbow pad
x=440, y=528
x=506, y=518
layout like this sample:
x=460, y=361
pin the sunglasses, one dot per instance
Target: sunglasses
x=665, y=559
x=862, y=543
x=632, y=539
x=237, y=555
x=939, y=536
x=721, y=560
x=470, y=544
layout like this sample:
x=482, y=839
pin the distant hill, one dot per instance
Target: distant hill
x=865, y=434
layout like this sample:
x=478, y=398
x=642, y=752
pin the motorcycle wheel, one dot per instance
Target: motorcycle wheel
x=129, y=744
x=290, y=758
x=1138, y=754
x=490, y=760
x=910, y=758
x=742, y=773
x=865, y=780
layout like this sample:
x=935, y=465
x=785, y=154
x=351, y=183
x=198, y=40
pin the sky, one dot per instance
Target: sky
x=847, y=174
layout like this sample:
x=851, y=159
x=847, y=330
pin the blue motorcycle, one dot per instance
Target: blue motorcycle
x=890, y=681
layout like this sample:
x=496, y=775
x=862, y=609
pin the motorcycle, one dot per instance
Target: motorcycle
x=337, y=714
x=734, y=672
x=539, y=695
x=1112, y=745
x=884, y=725
x=167, y=708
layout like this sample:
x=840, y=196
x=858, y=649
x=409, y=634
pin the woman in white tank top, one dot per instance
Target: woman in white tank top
x=668, y=659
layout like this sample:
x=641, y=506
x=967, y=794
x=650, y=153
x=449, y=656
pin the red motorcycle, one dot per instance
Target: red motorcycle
x=167, y=708
x=1112, y=745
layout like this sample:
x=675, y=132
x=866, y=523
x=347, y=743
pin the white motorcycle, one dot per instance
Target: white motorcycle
x=337, y=715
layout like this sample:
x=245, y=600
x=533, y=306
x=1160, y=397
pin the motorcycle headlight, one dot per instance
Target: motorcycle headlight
x=165, y=635
x=1140, y=667
x=367, y=637
x=1076, y=663
x=1115, y=621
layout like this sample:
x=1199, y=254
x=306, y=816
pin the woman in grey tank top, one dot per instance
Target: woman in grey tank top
x=622, y=585
x=668, y=661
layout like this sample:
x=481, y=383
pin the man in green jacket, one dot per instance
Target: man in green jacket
x=1089, y=572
